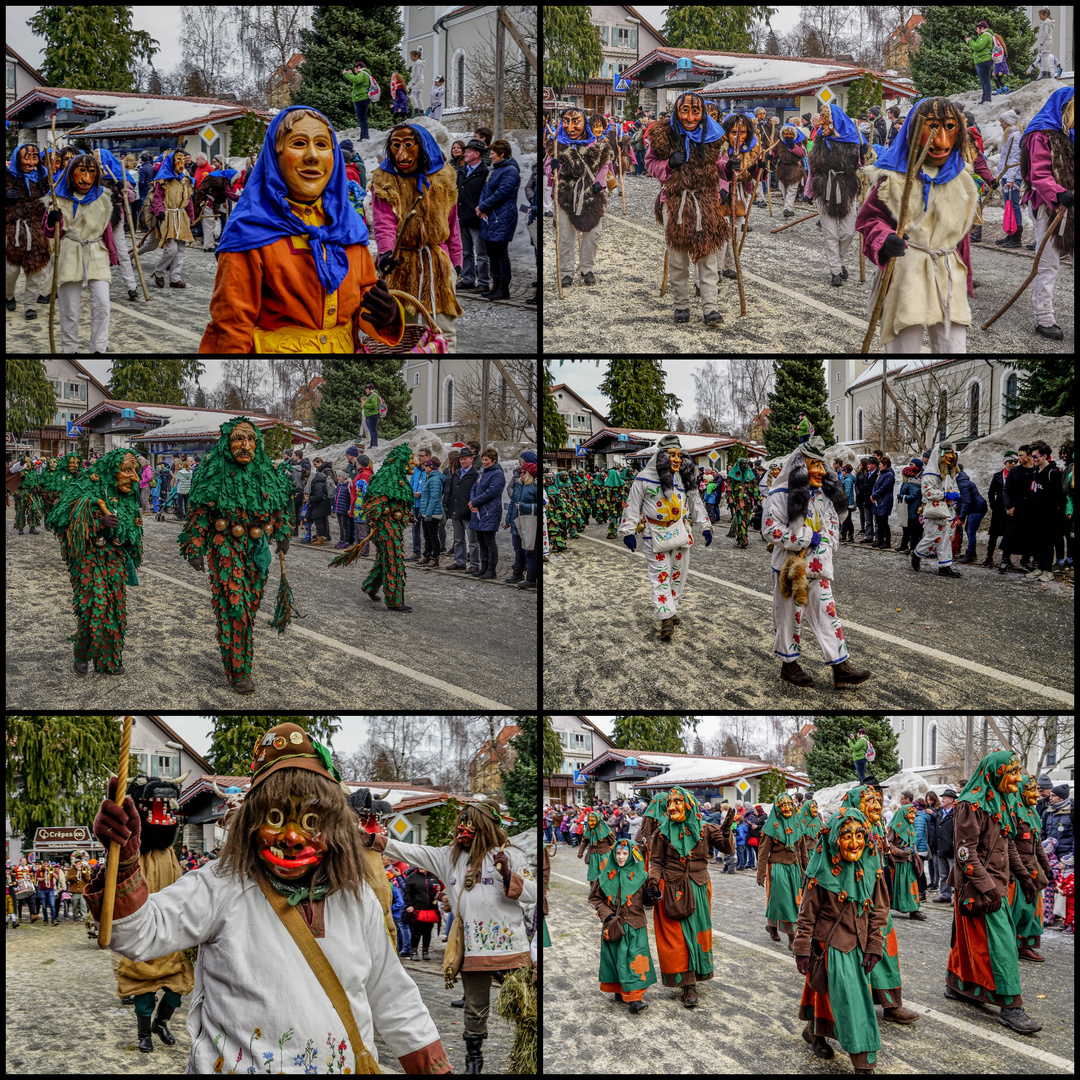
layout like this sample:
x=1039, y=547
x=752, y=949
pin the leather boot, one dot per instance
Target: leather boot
x=792, y=673
x=689, y=996
x=474, y=1059
x=164, y=1011
x=900, y=1015
x=146, y=1044
x=845, y=675
x=667, y=628
x=426, y=957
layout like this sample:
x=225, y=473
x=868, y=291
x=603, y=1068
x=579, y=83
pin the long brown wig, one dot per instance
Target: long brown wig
x=342, y=867
x=487, y=836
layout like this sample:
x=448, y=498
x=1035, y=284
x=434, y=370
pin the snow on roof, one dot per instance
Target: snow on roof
x=149, y=112
x=751, y=71
x=896, y=367
x=682, y=769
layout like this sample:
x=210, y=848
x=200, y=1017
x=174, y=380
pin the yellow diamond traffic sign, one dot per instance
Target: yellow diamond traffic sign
x=208, y=134
x=825, y=95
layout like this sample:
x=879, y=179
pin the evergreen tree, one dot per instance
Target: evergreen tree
x=1046, y=387
x=235, y=737
x=340, y=415
x=693, y=26
x=943, y=63
x=800, y=387
x=636, y=390
x=555, y=429
x=91, y=46
x=572, y=51
x=29, y=396
x=772, y=784
x=553, y=749
x=442, y=822
x=155, y=381
x=830, y=761
x=339, y=36
x=519, y=783
x=659, y=731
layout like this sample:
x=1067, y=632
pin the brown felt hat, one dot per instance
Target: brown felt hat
x=288, y=746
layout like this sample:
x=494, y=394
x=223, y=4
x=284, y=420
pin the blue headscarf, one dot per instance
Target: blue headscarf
x=112, y=166
x=431, y=148
x=895, y=158
x=706, y=132
x=844, y=129
x=18, y=174
x=261, y=214
x=565, y=140
x=64, y=190
x=1048, y=118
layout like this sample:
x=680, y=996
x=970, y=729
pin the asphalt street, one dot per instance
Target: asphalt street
x=790, y=305
x=466, y=642
x=930, y=642
x=747, y=1020
x=173, y=321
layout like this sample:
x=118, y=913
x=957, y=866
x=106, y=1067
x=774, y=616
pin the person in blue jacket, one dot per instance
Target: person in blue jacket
x=523, y=500
x=431, y=511
x=910, y=497
x=882, y=498
x=972, y=511
x=485, y=502
x=498, y=211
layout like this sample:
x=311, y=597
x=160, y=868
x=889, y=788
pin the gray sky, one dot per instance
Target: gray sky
x=709, y=727
x=785, y=19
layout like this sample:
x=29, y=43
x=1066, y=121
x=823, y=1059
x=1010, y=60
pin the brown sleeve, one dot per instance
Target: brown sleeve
x=599, y=901
x=808, y=915
x=879, y=916
x=804, y=855
x=581, y=849
x=969, y=867
x=1016, y=865
x=428, y=1059
x=379, y=843
x=719, y=837
x=896, y=849
x=764, y=847
x=656, y=849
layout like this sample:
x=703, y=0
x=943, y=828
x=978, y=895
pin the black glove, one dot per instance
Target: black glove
x=597, y=188
x=387, y=262
x=196, y=563
x=677, y=159
x=554, y=164
x=378, y=307
x=869, y=961
x=995, y=184
x=893, y=247
x=283, y=547
x=1065, y=198
x=54, y=218
x=725, y=198
x=651, y=894
x=160, y=218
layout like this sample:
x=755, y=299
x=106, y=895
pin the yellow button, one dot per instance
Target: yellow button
x=322, y=339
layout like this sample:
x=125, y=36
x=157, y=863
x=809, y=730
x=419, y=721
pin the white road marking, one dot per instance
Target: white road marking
x=1063, y=1064
x=1050, y=692
x=176, y=331
x=390, y=665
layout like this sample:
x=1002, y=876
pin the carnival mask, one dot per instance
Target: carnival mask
x=306, y=159
x=870, y=804
x=598, y=127
x=942, y=134
x=242, y=442
x=592, y=821
x=690, y=113
x=52, y=465
x=676, y=807
x=128, y=473
x=465, y=831
x=816, y=470
x=29, y=158
x=1031, y=792
x=712, y=110
x=1067, y=115
x=737, y=136
x=73, y=465
x=622, y=855
x=83, y=178
x=289, y=840
x=949, y=457
x=910, y=814
x=813, y=808
x=785, y=807
x=405, y=149
x=675, y=456
x=1010, y=777
x=851, y=842
x=574, y=125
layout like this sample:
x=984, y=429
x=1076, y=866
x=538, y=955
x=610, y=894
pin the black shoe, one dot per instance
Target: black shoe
x=590, y=278
x=11, y=305
x=713, y=318
x=682, y=314
x=146, y=1044
x=31, y=313
x=914, y=561
x=1005, y=566
x=398, y=607
x=942, y=900
x=567, y=280
x=1054, y=333
x=948, y=571
x=967, y=558
x=474, y=1059
x=1013, y=240
x=843, y=272
x=836, y=280
x=458, y=1004
x=133, y=294
x=81, y=667
x=158, y=1027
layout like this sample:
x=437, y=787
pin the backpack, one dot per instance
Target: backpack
x=871, y=753
x=997, y=53
x=383, y=407
x=374, y=93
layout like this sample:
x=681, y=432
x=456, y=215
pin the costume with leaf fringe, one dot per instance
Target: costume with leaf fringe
x=101, y=561
x=226, y=494
x=52, y=484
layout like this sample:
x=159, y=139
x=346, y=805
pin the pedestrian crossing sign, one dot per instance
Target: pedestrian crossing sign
x=621, y=85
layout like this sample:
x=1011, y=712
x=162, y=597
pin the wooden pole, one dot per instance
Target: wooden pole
x=555, y=199
x=109, y=899
x=618, y=150
x=663, y=284
x=56, y=244
x=738, y=266
x=1034, y=269
x=781, y=228
x=915, y=163
x=131, y=223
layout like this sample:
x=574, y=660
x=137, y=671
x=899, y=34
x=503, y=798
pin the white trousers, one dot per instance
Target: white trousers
x=1042, y=293
x=819, y=614
x=68, y=298
x=937, y=539
x=837, y=234
x=39, y=284
x=909, y=340
x=667, y=575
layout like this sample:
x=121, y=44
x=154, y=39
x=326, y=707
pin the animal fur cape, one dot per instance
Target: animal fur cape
x=578, y=166
x=840, y=162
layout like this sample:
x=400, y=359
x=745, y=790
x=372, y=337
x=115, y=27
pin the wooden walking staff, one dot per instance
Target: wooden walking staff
x=781, y=228
x=915, y=163
x=1034, y=269
x=618, y=151
x=56, y=245
x=555, y=216
x=738, y=266
x=131, y=223
x=109, y=898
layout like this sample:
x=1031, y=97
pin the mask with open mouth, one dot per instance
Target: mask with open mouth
x=158, y=801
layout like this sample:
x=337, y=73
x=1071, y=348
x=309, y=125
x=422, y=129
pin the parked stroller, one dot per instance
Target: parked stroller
x=169, y=501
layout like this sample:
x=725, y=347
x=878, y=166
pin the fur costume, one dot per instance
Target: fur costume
x=912, y=299
x=793, y=577
x=26, y=246
x=789, y=167
x=1063, y=163
x=578, y=167
x=834, y=177
x=232, y=511
x=694, y=221
x=368, y=811
x=428, y=227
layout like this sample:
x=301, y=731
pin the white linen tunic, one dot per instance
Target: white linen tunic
x=256, y=1003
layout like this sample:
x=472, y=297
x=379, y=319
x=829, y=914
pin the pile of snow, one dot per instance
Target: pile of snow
x=829, y=799
x=981, y=458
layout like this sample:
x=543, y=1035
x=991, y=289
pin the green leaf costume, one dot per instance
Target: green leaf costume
x=387, y=510
x=257, y=500
x=52, y=482
x=28, y=499
x=101, y=561
x=740, y=497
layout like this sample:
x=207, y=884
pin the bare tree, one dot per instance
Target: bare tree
x=1046, y=734
x=208, y=49
x=507, y=421
x=710, y=397
x=751, y=381
x=826, y=29
x=243, y=384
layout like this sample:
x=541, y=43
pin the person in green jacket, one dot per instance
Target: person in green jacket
x=981, y=47
x=371, y=414
x=360, y=80
x=858, y=744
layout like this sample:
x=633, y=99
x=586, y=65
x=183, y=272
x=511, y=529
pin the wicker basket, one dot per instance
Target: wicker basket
x=412, y=334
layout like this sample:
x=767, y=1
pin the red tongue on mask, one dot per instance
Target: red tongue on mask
x=306, y=857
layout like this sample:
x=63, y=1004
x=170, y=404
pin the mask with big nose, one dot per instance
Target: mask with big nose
x=690, y=112
x=290, y=842
x=574, y=125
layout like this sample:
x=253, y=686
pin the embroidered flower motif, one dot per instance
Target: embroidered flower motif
x=659, y=556
x=815, y=566
x=662, y=598
x=777, y=533
x=675, y=575
x=840, y=632
x=830, y=609
x=768, y=522
x=662, y=576
x=678, y=555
